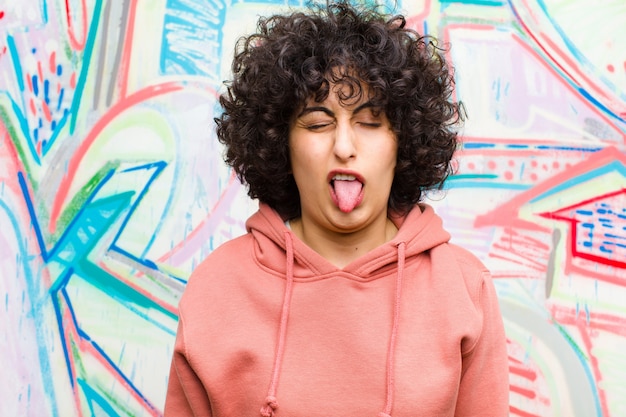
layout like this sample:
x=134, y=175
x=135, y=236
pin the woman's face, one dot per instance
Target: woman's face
x=343, y=158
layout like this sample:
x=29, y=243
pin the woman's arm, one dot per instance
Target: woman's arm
x=484, y=388
x=186, y=396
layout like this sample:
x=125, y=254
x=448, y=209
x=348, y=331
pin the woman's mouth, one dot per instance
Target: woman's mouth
x=346, y=191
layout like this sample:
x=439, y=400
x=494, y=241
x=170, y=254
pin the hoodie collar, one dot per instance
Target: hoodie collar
x=421, y=229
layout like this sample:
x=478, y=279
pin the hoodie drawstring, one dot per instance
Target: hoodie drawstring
x=391, y=353
x=271, y=404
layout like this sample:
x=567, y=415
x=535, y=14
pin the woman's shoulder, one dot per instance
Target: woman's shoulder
x=222, y=262
x=236, y=249
x=467, y=259
x=465, y=266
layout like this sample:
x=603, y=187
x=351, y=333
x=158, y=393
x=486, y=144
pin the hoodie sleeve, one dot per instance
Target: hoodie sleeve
x=484, y=388
x=186, y=396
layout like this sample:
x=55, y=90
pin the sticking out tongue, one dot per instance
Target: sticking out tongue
x=348, y=193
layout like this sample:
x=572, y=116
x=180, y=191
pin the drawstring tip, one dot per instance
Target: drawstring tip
x=271, y=404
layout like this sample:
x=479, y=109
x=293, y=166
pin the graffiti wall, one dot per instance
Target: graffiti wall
x=112, y=188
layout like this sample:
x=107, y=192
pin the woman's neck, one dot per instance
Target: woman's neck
x=342, y=248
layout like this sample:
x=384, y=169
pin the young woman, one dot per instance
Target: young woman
x=345, y=298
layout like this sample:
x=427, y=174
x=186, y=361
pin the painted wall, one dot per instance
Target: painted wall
x=112, y=189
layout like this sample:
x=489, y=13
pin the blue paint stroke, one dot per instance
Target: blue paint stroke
x=84, y=71
x=93, y=397
x=572, y=182
x=158, y=168
x=15, y=59
x=192, y=38
x=34, y=298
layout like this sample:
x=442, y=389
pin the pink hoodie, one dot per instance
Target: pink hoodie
x=268, y=327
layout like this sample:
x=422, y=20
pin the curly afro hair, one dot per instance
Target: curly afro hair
x=297, y=56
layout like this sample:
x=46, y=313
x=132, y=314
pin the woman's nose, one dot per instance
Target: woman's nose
x=345, y=141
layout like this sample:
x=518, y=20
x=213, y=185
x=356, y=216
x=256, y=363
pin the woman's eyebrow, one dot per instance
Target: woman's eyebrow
x=323, y=109
x=366, y=105
x=361, y=107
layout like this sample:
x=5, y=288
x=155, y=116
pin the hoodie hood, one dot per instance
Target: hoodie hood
x=420, y=230
x=279, y=250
